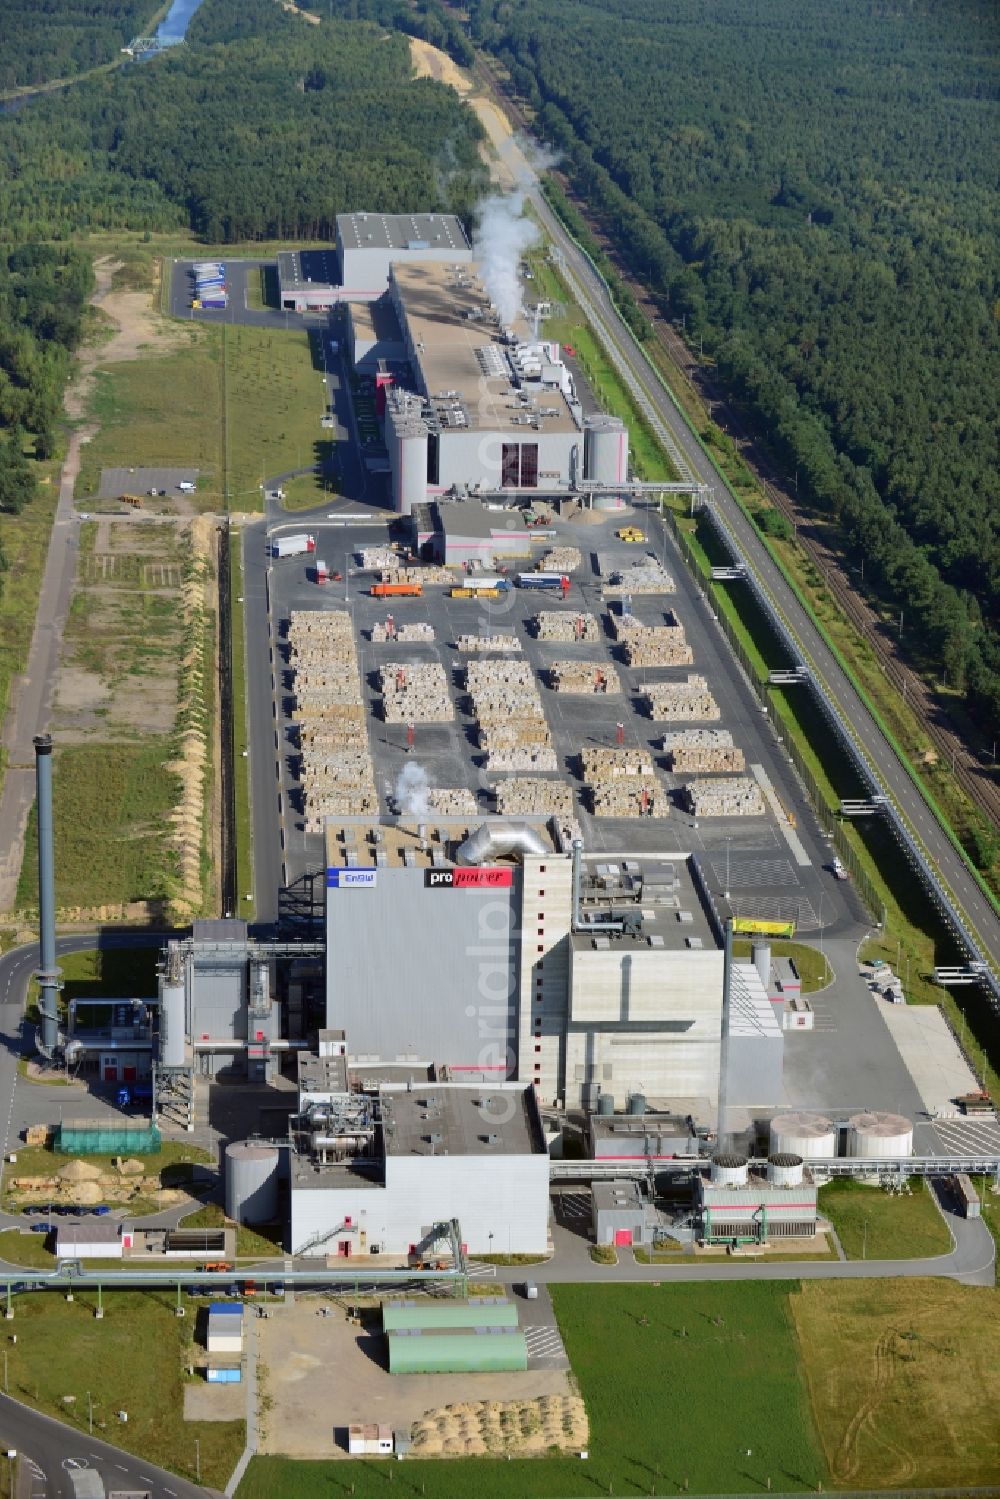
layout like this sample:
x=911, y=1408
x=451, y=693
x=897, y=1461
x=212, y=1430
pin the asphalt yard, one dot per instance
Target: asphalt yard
x=765, y=875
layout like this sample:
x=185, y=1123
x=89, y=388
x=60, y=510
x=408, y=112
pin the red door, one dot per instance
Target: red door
x=623, y=1236
x=128, y=1074
x=110, y=1072
x=344, y=1248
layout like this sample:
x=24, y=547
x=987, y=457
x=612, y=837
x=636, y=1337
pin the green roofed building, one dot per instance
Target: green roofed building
x=479, y=1311
x=107, y=1137
x=457, y=1350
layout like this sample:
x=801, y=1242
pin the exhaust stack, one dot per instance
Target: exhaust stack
x=48, y=973
x=722, y=1124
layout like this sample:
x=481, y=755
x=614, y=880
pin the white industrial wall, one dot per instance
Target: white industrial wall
x=475, y=457
x=365, y=272
x=547, y=890
x=647, y=984
x=507, y=1196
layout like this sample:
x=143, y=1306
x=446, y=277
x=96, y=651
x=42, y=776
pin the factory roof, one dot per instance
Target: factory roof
x=612, y=1196
x=655, y=896
x=306, y=270
x=751, y=1013
x=376, y=320
x=322, y=1074
x=352, y=840
x=465, y=367
x=436, y=1119
x=628, y=1126
x=221, y=930
x=401, y=231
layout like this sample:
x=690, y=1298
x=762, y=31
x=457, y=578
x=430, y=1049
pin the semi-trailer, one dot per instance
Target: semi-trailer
x=396, y=590
x=484, y=583
x=293, y=546
x=322, y=572
x=543, y=580
x=214, y=304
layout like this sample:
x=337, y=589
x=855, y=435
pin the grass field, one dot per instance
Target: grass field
x=249, y=1243
x=115, y=973
x=904, y=1381
x=132, y=1360
x=172, y=1163
x=25, y=547
x=654, y=1365
x=877, y=1225
x=813, y=969
x=109, y=808
x=160, y=410
x=274, y=400
x=26, y=1249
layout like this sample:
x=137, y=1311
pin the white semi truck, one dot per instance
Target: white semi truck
x=293, y=546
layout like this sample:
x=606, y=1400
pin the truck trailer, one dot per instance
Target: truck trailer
x=397, y=590
x=293, y=546
x=543, y=580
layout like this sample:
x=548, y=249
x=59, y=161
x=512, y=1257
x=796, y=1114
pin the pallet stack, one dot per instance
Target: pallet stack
x=680, y=701
x=648, y=575
x=415, y=692
x=622, y=783
x=428, y=574
x=736, y=796
x=658, y=645
x=703, y=751
x=550, y=624
x=560, y=560
x=373, y=558
x=506, y=704
x=584, y=677
x=517, y=757
x=532, y=796
x=337, y=774
x=411, y=633
x=498, y=644
x=452, y=802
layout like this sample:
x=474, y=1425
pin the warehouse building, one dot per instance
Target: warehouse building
x=621, y=1215
x=457, y=1350
x=493, y=409
x=357, y=269
x=387, y=1174
x=467, y=532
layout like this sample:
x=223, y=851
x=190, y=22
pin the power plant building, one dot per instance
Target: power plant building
x=357, y=269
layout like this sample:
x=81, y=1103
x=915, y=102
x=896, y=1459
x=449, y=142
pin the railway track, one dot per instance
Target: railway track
x=978, y=783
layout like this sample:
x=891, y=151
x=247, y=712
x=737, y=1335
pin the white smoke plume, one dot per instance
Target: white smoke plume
x=412, y=795
x=502, y=236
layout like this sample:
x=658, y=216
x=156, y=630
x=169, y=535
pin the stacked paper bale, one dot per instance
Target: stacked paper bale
x=703, y=751
x=452, y=802
x=678, y=701
x=622, y=783
x=565, y=832
x=584, y=677
x=646, y=575
x=560, y=560
x=735, y=796
x=426, y=574
x=521, y=757
x=373, y=558
x=532, y=796
x=337, y=774
x=497, y=644
x=551, y=624
x=411, y=633
x=415, y=692
x=509, y=711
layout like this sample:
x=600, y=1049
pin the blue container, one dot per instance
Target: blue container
x=225, y=1309
x=224, y=1376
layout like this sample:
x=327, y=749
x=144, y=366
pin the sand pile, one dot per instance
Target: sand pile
x=78, y=1171
x=195, y=682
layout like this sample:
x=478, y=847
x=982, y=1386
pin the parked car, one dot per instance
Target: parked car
x=43, y=1228
x=101, y=1211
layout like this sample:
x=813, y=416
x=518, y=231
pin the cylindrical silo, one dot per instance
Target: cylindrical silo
x=637, y=1104
x=172, y=1049
x=252, y=1182
x=606, y=1104
x=760, y=954
x=606, y=450
x=411, y=467
x=875, y=1134
x=729, y=1170
x=784, y=1169
x=812, y=1136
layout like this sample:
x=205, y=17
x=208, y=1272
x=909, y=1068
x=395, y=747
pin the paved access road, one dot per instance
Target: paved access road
x=49, y=1451
x=238, y=310
x=952, y=868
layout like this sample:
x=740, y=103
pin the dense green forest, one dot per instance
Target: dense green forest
x=261, y=127
x=45, y=39
x=813, y=190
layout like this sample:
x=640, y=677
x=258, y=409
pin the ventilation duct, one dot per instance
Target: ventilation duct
x=498, y=840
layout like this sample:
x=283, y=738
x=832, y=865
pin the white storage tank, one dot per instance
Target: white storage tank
x=784, y=1169
x=605, y=453
x=172, y=1047
x=729, y=1170
x=252, y=1182
x=411, y=467
x=876, y=1134
x=812, y=1136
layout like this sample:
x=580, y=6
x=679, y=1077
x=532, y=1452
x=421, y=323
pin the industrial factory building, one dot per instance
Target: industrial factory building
x=384, y=1173
x=493, y=409
x=737, y=1205
x=357, y=270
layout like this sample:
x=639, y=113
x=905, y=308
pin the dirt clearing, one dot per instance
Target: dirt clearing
x=431, y=62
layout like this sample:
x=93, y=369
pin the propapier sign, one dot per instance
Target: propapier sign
x=468, y=879
x=348, y=879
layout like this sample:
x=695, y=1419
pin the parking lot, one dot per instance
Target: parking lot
x=118, y=481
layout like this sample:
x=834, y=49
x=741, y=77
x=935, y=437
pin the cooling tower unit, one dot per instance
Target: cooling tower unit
x=729, y=1170
x=875, y=1135
x=172, y=1049
x=784, y=1170
x=252, y=1182
x=812, y=1136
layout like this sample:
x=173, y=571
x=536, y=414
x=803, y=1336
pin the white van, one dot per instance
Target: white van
x=186, y=487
